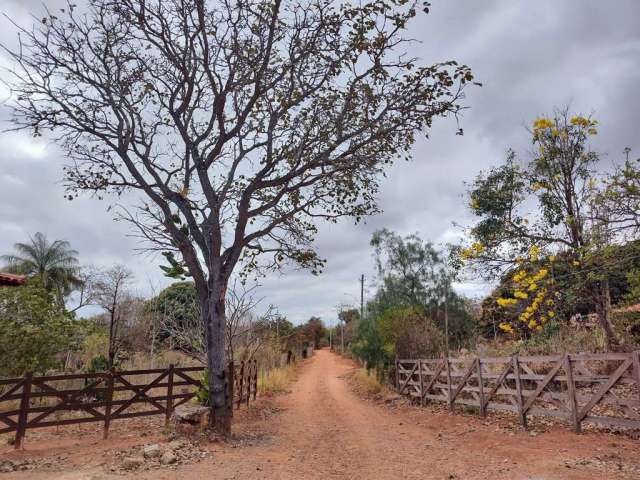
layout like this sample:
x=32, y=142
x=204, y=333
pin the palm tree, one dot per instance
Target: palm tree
x=55, y=264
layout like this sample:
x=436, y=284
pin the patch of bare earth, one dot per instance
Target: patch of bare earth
x=323, y=428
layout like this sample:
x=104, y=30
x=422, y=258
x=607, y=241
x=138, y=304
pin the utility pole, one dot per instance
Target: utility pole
x=362, y=297
x=330, y=344
x=342, y=335
x=446, y=316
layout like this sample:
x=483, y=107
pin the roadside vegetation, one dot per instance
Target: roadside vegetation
x=554, y=233
x=276, y=380
x=564, y=282
x=44, y=331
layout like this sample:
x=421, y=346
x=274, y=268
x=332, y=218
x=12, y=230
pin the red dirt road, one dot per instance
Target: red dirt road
x=322, y=430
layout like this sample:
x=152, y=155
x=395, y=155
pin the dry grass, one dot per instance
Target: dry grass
x=366, y=383
x=276, y=380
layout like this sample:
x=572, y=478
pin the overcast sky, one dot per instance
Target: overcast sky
x=530, y=56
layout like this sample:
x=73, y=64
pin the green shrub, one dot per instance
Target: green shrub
x=627, y=327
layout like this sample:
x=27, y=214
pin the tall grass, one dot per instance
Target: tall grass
x=276, y=380
x=367, y=382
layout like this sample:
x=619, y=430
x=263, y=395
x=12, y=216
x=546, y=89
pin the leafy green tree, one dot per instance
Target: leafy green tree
x=349, y=315
x=314, y=331
x=413, y=274
x=55, y=264
x=369, y=346
x=34, y=333
x=179, y=301
x=409, y=269
x=414, y=307
x=530, y=212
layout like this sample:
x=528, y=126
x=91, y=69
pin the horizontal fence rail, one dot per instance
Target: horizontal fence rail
x=66, y=399
x=593, y=388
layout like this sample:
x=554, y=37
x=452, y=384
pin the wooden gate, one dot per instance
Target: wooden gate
x=66, y=399
x=596, y=388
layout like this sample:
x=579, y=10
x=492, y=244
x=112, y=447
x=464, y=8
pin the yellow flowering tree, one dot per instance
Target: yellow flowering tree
x=529, y=209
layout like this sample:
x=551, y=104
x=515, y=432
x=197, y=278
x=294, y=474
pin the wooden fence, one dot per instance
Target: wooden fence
x=66, y=399
x=596, y=388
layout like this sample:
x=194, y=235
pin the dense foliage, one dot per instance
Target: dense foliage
x=35, y=333
x=415, y=305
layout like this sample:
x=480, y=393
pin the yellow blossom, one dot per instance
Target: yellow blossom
x=579, y=121
x=505, y=327
x=534, y=252
x=542, y=123
x=474, y=251
x=519, y=276
x=506, y=302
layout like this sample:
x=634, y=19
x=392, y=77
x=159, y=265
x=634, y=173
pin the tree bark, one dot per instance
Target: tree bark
x=213, y=311
x=602, y=301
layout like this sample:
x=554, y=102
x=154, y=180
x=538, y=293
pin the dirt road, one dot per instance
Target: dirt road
x=322, y=430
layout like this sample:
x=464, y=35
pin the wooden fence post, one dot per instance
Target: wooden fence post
x=483, y=412
x=571, y=393
x=249, y=375
x=109, y=403
x=231, y=376
x=240, y=384
x=24, y=411
x=397, y=374
x=255, y=378
x=636, y=369
x=516, y=372
x=449, y=399
x=169, y=404
x=421, y=382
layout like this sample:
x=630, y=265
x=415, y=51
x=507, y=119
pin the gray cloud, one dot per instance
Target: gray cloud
x=531, y=57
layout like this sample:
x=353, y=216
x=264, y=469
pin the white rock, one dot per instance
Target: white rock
x=168, y=458
x=131, y=463
x=176, y=444
x=152, y=451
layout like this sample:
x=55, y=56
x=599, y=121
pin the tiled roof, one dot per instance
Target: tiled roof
x=11, y=279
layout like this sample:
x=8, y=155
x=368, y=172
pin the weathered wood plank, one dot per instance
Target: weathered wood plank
x=541, y=386
x=604, y=388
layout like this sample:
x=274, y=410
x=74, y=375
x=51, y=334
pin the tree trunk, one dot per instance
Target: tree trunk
x=602, y=301
x=213, y=311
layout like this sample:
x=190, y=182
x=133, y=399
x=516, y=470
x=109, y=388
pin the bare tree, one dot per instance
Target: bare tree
x=187, y=328
x=112, y=294
x=84, y=292
x=238, y=124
